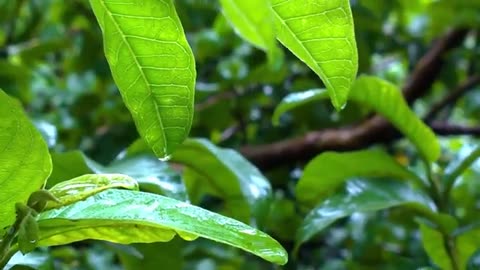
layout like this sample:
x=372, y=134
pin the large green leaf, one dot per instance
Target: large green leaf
x=361, y=196
x=387, y=99
x=329, y=170
x=321, y=34
x=25, y=163
x=82, y=187
x=297, y=99
x=253, y=20
x=153, y=66
x=229, y=174
x=124, y=216
x=434, y=245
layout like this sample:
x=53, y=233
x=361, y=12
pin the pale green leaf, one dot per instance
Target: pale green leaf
x=297, y=99
x=361, y=196
x=25, y=163
x=253, y=21
x=229, y=174
x=124, y=216
x=321, y=34
x=82, y=187
x=151, y=174
x=387, y=100
x=434, y=244
x=329, y=170
x=152, y=65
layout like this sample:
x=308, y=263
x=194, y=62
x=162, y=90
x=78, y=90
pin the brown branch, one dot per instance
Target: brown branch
x=373, y=130
x=442, y=128
x=451, y=98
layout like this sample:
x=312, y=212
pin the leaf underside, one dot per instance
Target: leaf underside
x=25, y=161
x=321, y=34
x=152, y=65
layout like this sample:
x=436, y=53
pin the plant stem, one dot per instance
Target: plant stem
x=6, y=258
x=452, y=251
x=465, y=164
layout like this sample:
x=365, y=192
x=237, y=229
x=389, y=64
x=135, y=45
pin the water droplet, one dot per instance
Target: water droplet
x=165, y=158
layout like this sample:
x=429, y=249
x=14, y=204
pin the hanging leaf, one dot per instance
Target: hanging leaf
x=253, y=21
x=321, y=34
x=152, y=65
x=125, y=217
x=25, y=161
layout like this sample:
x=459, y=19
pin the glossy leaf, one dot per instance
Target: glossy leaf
x=321, y=34
x=434, y=245
x=25, y=163
x=82, y=187
x=387, y=100
x=228, y=173
x=253, y=21
x=68, y=165
x=152, y=65
x=124, y=216
x=329, y=170
x=361, y=196
x=297, y=99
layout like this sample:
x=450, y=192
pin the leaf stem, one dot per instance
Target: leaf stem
x=465, y=164
x=7, y=256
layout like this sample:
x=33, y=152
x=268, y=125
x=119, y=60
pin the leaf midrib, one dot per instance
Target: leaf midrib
x=130, y=49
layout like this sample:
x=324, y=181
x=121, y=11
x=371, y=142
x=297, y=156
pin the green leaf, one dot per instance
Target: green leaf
x=151, y=174
x=25, y=163
x=253, y=21
x=125, y=217
x=434, y=245
x=152, y=65
x=297, y=99
x=67, y=166
x=467, y=244
x=361, y=196
x=321, y=34
x=382, y=97
x=82, y=187
x=329, y=170
x=387, y=100
x=228, y=174
x=170, y=254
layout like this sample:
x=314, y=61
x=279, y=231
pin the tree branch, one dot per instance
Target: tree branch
x=450, y=99
x=373, y=130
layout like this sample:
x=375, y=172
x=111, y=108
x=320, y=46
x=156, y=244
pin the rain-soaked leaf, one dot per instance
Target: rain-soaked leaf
x=125, y=217
x=362, y=196
x=297, y=99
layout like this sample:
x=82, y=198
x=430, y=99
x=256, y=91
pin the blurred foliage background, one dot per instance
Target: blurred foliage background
x=51, y=59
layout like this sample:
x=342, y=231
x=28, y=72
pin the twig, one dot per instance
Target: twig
x=450, y=99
